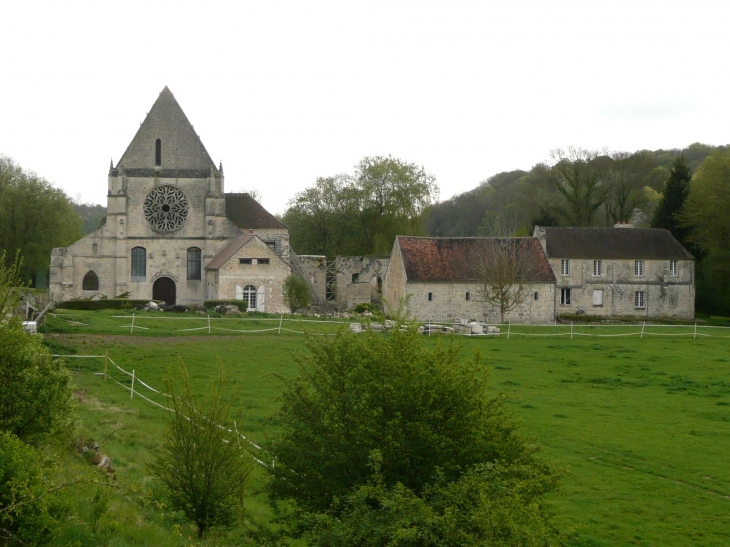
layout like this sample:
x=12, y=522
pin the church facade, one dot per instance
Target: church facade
x=171, y=232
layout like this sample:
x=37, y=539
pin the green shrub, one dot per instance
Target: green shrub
x=296, y=293
x=240, y=304
x=360, y=308
x=108, y=304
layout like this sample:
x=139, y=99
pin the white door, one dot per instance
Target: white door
x=598, y=297
x=260, y=293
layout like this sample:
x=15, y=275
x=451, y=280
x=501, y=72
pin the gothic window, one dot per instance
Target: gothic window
x=194, y=260
x=91, y=281
x=139, y=264
x=166, y=208
x=158, y=152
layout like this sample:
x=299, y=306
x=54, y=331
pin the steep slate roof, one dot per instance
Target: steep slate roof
x=247, y=213
x=183, y=153
x=614, y=243
x=456, y=259
x=228, y=251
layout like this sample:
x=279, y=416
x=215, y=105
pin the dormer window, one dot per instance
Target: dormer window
x=158, y=152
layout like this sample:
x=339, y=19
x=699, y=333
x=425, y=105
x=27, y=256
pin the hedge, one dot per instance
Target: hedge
x=108, y=304
x=240, y=304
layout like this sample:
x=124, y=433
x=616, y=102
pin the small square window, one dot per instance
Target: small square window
x=262, y=261
x=639, y=268
x=673, y=268
x=597, y=268
x=565, y=267
x=430, y=296
x=245, y=260
x=639, y=302
x=468, y=295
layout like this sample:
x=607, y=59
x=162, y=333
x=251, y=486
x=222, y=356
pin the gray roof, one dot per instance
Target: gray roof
x=247, y=213
x=228, y=251
x=614, y=243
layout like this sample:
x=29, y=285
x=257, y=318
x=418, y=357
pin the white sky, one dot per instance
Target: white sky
x=286, y=91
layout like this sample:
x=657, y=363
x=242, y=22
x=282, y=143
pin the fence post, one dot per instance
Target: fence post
x=106, y=362
x=131, y=330
x=131, y=394
x=509, y=326
x=642, y=329
x=571, y=330
x=281, y=318
x=695, y=336
x=208, y=323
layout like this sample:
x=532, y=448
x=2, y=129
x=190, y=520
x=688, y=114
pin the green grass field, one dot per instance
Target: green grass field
x=640, y=425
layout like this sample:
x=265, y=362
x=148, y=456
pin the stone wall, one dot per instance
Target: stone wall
x=359, y=279
x=664, y=295
x=455, y=302
x=314, y=269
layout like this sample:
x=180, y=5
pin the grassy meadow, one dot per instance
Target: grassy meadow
x=641, y=426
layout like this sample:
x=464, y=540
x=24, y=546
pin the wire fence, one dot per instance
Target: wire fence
x=134, y=390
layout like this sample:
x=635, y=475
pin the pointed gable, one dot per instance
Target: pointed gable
x=248, y=214
x=180, y=151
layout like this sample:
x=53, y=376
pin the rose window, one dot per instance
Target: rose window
x=166, y=208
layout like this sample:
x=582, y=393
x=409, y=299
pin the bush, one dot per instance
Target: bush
x=363, y=307
x=240, y=304
x=296, y=293
x=104, y=304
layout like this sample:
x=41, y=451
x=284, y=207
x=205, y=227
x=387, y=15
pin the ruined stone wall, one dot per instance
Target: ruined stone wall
x=394, y=284
x=665, y=295
x=314, y=268
x=356, y=275
x=449, y=302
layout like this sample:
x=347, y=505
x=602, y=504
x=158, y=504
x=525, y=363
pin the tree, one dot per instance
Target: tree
x=490, y=504
x=35, y=394
x=296, y=293
x=706, y=208
x=676, y=190
x=628, y=175
x=427, y=412
x=203, y=467
x=579, y=178
x=35, y=217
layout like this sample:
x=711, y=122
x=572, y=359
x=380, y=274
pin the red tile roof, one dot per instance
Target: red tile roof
x=460, y=259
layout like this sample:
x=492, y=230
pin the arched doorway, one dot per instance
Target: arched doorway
x=164, y=289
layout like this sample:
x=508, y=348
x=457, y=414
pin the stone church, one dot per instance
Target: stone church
x=171, y=232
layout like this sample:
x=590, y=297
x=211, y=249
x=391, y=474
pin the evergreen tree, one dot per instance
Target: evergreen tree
x=676, y=190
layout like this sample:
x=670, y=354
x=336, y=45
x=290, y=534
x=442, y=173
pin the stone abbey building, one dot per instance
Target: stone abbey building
x=171, y=232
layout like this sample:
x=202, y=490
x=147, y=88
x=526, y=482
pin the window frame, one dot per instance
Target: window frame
x=138, y=258
x=674, y=268
x=566, y=297
x=564, y=266
x=639, y=268
x=194, y=264
x=263, y=261
x=598, y=268
x=639, y=300
x=246, y=261
x=602, y=293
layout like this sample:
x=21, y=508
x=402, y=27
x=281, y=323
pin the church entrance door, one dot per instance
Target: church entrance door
x=164, y=289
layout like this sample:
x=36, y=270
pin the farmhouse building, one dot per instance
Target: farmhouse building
x=171, y=232
x=620, y=271
x=443, y=279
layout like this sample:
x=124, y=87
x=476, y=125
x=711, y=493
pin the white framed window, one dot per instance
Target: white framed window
x=639, y=302
x=565, y=267
x=673, y=268
x=598, y=297
x=639, y=268
x=597, y=268
x=565, y=297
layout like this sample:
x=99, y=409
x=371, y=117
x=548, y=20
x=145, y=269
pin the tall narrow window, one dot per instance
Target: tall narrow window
x=91, y=281
x=249, y=295
x=673, y=269
x=639, y=268
x=468, y=295
x=430, y=296
x=565, y=297
x=139, y=264
x=639, y=302
x=158, y=152
x=565, y=267
x=597, y=268
x=194, y=257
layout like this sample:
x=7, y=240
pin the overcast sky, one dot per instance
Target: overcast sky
x=284, y=92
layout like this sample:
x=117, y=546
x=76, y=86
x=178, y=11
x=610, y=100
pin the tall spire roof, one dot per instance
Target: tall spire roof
x=179, y=148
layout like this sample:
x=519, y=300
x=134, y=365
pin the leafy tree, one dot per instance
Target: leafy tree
x=296, y=293
x=203, y=467
x=706, y=208
x=35, y=217
x=35, y=395
x=676, y=190
x=426, y=411
x=490, y=504
x=91, y=215
x=628, y=175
